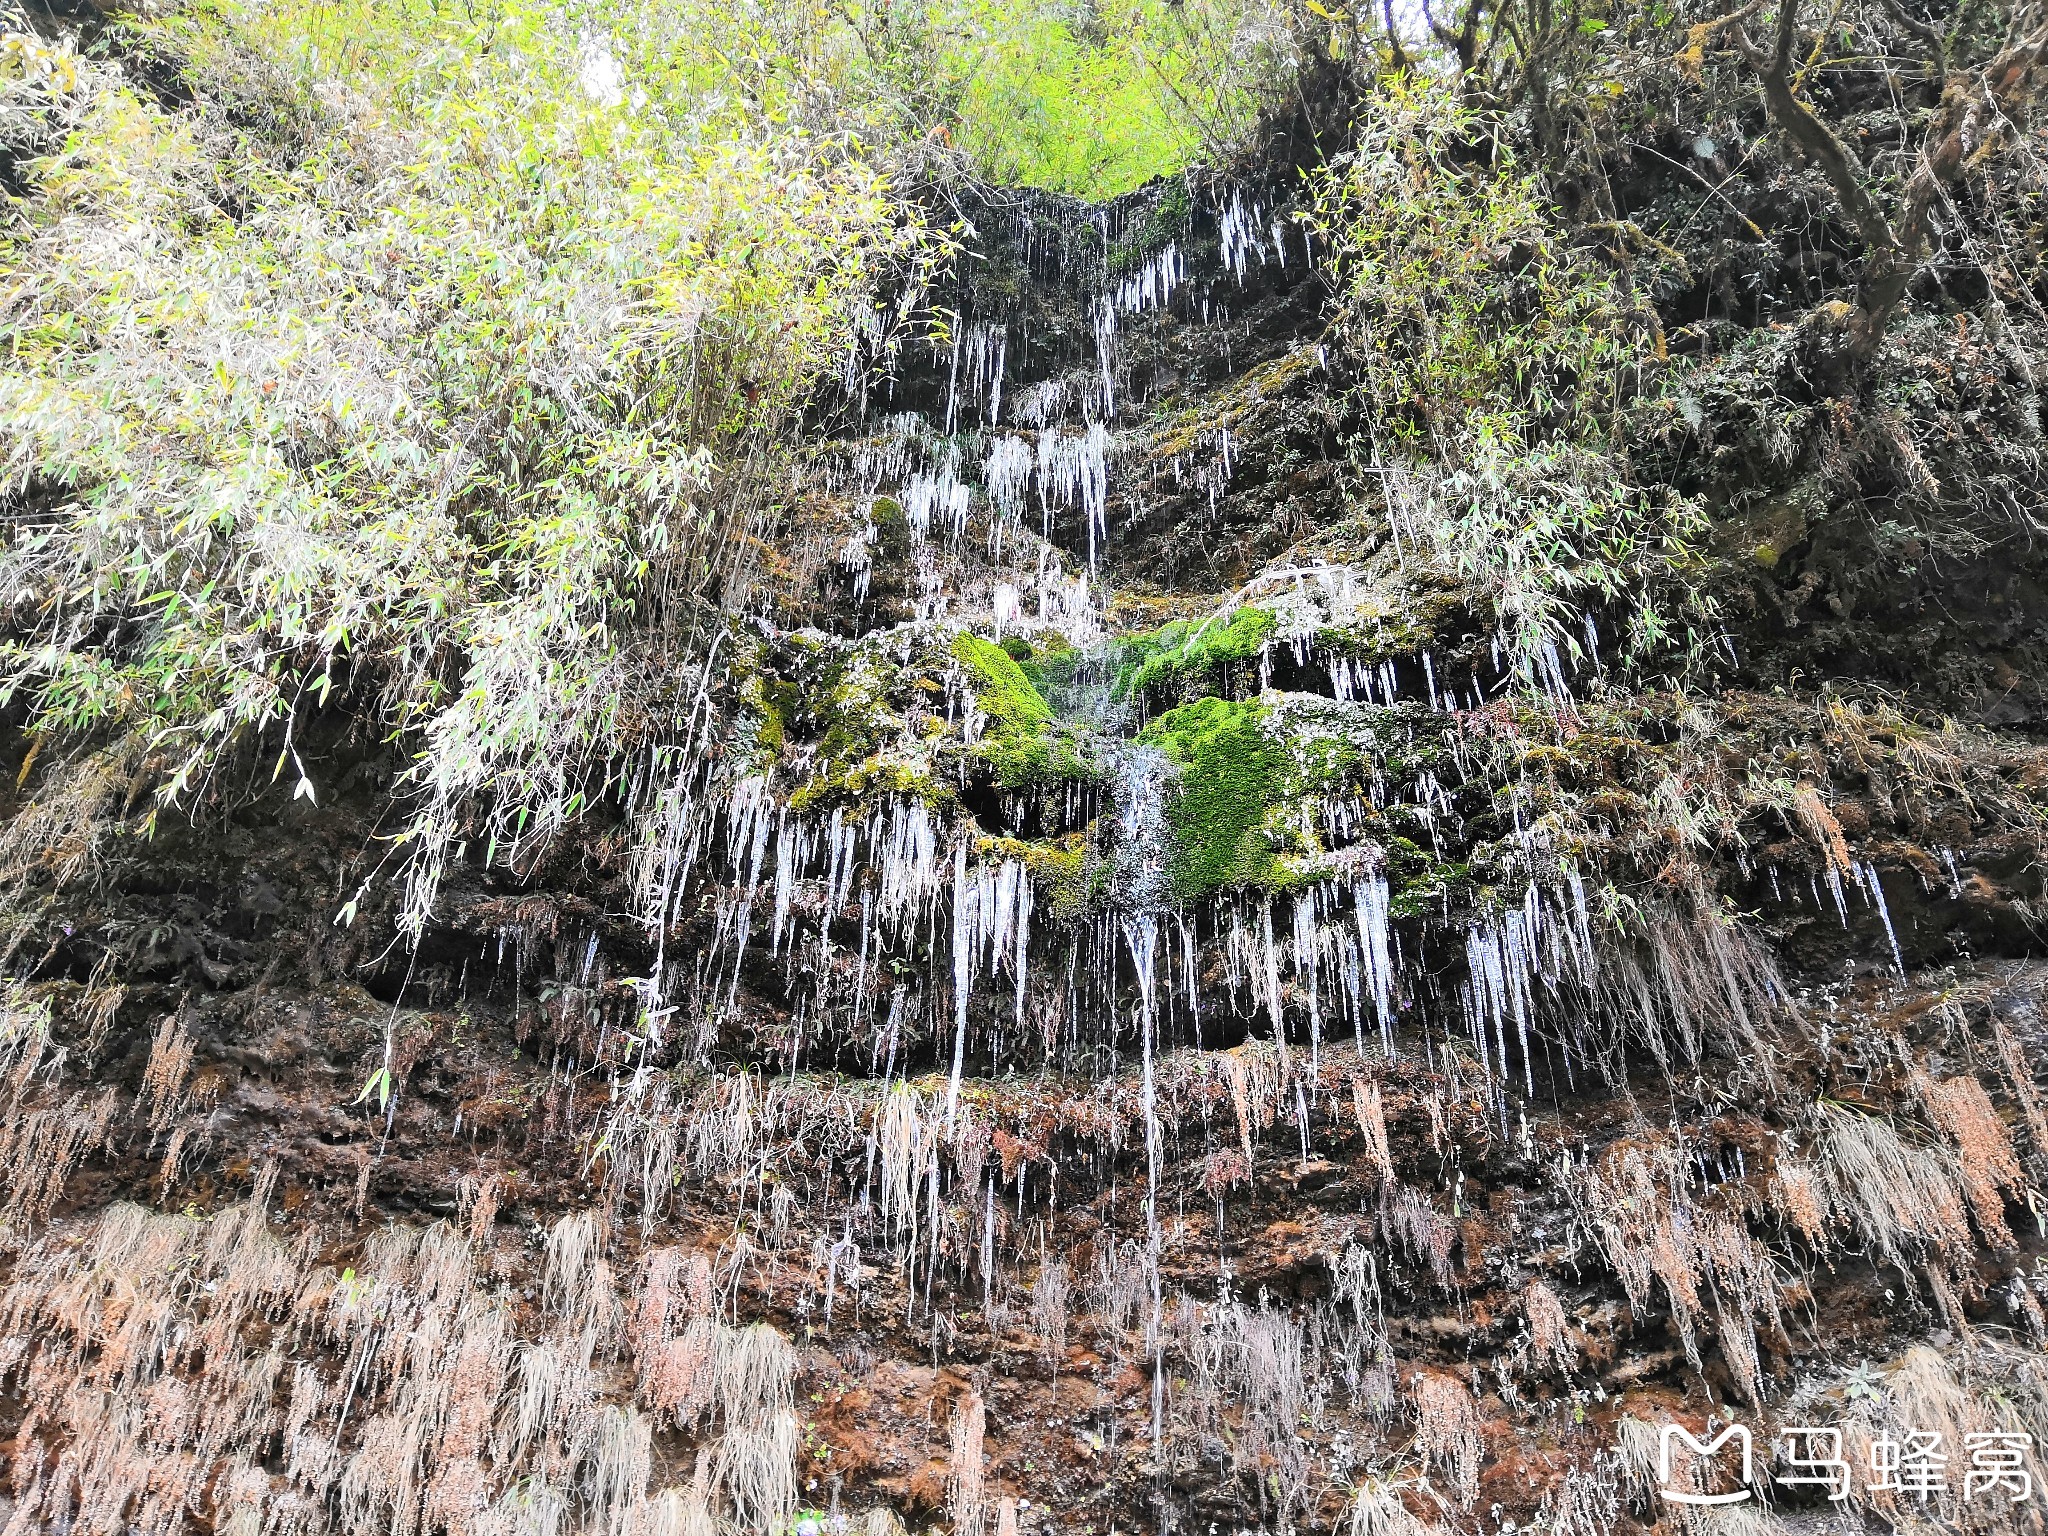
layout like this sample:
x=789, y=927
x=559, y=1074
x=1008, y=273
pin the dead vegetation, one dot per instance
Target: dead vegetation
x=163, y=1358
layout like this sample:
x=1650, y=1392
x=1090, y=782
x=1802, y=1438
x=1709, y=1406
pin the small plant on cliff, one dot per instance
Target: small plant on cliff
x=1494, y=363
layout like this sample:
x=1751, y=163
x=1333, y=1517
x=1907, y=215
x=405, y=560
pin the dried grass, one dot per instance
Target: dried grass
x=1703, y=1257
x=1049, y=1310
x=756, y=1459
x=1985, y=1160
x=1372, y=1126
x=162, y=1092
x=966, y=1471
x=24, y=1037
x=2019, y=1077
x=1903, y=1200
x=1798, y=1195
x=1377, y=1510
x=1549, y=1343
x=1408, y=1217
x=1447, y=1432
x=39, y=1148
x=58, y=832
x=160, y=1357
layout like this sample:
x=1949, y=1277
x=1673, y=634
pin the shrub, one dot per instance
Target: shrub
x=1493, y=364
x=447, y=408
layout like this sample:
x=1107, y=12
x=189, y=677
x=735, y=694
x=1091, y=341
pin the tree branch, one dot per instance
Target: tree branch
x=1799, y=122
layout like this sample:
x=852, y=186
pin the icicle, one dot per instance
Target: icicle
x=940, y=492
x=1306, y=969
x=1871, y=883
x=1023, y=939
x=1372, y=906
x=1105, y=351
x=1073, y=471
x=963, y=976
x=1006, y=473
x=1141, y=935
x=1270, y=974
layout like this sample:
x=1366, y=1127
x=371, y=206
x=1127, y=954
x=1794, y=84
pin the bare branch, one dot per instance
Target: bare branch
x=1804, y=127
x=1930, y=37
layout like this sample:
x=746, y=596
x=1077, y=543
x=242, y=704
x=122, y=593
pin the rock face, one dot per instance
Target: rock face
x=1119, y=1007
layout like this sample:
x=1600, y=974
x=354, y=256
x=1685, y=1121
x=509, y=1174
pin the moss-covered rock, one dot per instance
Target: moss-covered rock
x=1229, y=772
x=1183, y=660
x=1024, y=743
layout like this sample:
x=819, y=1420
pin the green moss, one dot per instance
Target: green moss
x=1072, y=878
x=878, y=775
x=1002, y=691
x=766, y=704
x=1230, y=773
x=1291, y=376
x=1025, y=745
x=855, y=708
x=1422, y=884
x=864, y=710
x=1184, y=657
x=892, y=528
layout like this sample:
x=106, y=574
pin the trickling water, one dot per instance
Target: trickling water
x=1141, y=934
x=1142, y=776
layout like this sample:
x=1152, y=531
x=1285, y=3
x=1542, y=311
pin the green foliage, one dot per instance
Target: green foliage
x=1048, y=104
x=1494, y=365
x=1186, y=656
x=1230, y=770
x=1079, y=98
x=1023, y=744
x=442, y=415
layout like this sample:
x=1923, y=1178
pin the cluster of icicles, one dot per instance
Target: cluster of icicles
x=1248, y=232
x=1039, y=476
x=892, y=930
x=935, y=466
x=889, y=927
